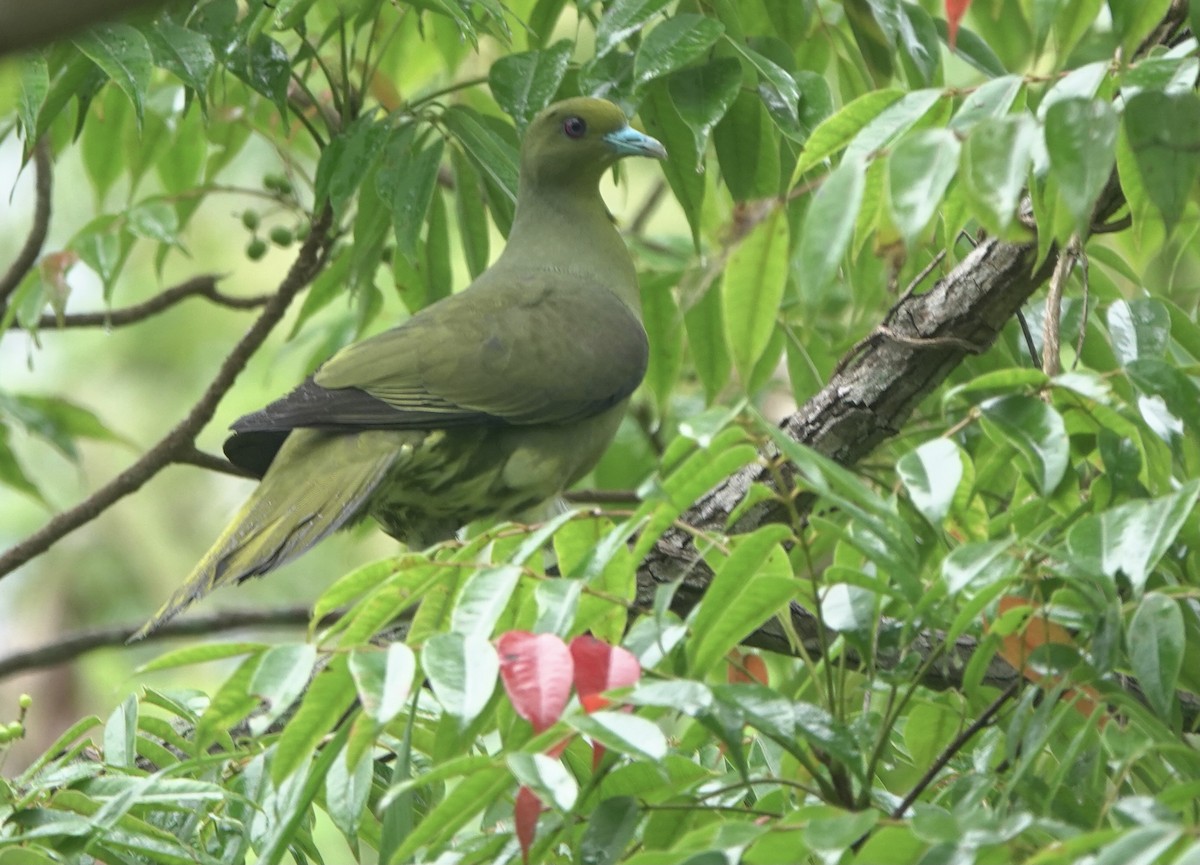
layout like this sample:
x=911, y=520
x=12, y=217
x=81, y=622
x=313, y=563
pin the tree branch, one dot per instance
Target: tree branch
x=25, y=25
x=71, y=647
x=181, y=439
x=27, y=257
x=204, y=286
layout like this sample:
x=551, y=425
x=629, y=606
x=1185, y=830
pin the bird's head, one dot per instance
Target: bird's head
x=575, y=140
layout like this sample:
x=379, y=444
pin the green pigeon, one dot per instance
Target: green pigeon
x=484, y=404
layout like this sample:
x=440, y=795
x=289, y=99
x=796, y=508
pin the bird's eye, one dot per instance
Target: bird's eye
x=574, y=127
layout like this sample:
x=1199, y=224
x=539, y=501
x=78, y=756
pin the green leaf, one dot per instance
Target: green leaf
x=749, y=587
x=755, y=277
x=1036, y=431
x=280, y=679
x=329, y=695
x=1081, y=139
x=978, y=565
x=674, y=43
x=996, y=159
x=705, y=326
x=837, y=131
x=473, y=226
x=664, y=326
x=547, y=777
x=346, y=160
x=57, y=421
x=120, y=734
x=777, y=89
x=622, y=19
x=1131, y=538
x=383, y=679
x=524, y=83
x=1164, y=134
x=406, y=181
x=462, y=671
x=919, y=170
x=266, y=66
x=1179, y=392
x=702, y=95
x=663, y=121
x=828, y=227
x=892, y=122
x=1139, y=329
x=154, y=220
x=200, y=654
x=848, y=608
x=124, y=55
x=990, y=101
x=1156, y=646
x=931, y=475
x=748, y=149
x=346, y=791
x=483, y=599
x=626, y=734
x=472, y=795
x=610, y=827
x=492, y=155
x=11, y=473
x=185, y=53
x=35, y=84
x=974, y=50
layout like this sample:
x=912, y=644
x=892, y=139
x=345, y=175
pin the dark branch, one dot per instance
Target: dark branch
x=201, y=459
x=27, y=257
x=25, y=25
x=71, y=647
x=198, y=286
x=181, y=440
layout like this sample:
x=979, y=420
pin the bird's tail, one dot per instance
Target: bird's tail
x=317, y=484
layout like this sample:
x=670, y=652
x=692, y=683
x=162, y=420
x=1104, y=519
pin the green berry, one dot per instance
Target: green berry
x=4, y=737
x=24, y=701
x=250, y=219
x=15, y=730
x=282, y=236
x=256, y=249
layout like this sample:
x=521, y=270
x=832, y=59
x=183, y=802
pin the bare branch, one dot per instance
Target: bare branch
x=27, y=257
x=71, y=647
x=204, y=286
x=195, y=457
x=181, y=439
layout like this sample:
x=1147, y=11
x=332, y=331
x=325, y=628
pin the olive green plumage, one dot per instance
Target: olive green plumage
x=484, y=404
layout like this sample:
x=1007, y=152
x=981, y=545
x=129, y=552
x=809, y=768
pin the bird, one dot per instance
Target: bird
x=485, y=404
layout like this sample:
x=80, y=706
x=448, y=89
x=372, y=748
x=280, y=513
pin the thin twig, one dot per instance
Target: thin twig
x=201, y=459
x=1030, y=345
x=198, y=286
x=984, y=719
x=180, y=440
x=1052, y=318
x=75, y=645
x=27, y=257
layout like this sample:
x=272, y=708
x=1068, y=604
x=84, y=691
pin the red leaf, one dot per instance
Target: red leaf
x=536, y=669
x=597, y=755
x=525, y=815
x=600, y=667
x=955, y=9
x=747, y=667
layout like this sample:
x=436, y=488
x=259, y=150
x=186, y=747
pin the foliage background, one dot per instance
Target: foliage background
x=1075, y=493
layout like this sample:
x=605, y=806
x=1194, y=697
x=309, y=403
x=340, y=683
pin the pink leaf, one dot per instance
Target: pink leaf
x=600, y=667
x=955, y=9
x=536, y=669
x=525, y=816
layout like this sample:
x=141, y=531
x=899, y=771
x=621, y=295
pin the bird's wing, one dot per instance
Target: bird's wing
x=546, y=348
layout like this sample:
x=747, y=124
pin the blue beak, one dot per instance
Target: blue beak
x=627, y=141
